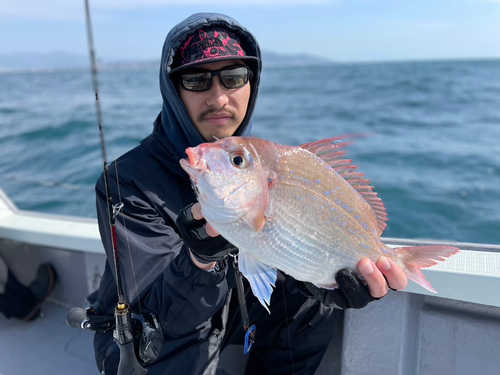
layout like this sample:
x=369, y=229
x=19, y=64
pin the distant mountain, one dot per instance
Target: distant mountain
x=36, y=61
x=67, y=60
x=301, y=59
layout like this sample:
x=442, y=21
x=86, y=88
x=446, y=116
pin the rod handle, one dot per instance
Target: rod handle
x=128, y=361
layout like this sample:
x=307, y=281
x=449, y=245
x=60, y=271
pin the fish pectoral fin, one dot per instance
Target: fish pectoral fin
x=261, y=277
x=255, y=217
x=254, y=220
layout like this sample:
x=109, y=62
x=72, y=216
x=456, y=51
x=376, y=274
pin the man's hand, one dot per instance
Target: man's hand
x=382, y=276
x=205, y=244
x=352, y=292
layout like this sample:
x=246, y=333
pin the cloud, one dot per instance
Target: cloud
x=73, y=9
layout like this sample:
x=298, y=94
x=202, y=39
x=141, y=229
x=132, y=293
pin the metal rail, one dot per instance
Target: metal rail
x=425, y=242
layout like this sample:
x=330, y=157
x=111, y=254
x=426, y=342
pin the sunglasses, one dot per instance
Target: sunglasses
x=232, y=77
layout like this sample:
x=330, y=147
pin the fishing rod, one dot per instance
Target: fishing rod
x=126, y=323
x=123, y=333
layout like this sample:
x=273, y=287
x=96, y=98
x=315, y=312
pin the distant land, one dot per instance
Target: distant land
x=42, y=61
x=65, y=60
x=278, y=59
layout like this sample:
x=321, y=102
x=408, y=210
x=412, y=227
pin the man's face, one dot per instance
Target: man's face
x=218, y=112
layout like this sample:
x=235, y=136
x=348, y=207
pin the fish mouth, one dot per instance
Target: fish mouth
x=195, y=163
x=194, y=156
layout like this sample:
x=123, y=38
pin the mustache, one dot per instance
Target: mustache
x=213, y=110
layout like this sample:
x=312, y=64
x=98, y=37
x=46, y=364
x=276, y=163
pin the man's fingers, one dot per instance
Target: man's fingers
x=196, y=211
x=210, y=230
x=373, y=277
x=197, y=215
x=382, y=275
x=393, y=273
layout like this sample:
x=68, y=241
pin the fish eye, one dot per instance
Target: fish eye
x=239, y=160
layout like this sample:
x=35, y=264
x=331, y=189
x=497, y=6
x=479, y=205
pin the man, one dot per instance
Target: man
x=176, y=266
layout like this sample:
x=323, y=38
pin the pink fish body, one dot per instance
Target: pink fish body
x=303, y=210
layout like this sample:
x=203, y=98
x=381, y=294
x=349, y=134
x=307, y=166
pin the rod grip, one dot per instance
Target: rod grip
x=128, y=361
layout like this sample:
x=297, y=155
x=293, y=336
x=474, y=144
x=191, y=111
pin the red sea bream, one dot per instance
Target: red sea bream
x=303, y=210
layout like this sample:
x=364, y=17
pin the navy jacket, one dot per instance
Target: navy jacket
x=155, y=268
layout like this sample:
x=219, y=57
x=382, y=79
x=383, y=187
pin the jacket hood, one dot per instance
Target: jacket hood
x=173, y=127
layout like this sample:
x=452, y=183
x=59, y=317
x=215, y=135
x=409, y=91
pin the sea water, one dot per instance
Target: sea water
x=431, y=144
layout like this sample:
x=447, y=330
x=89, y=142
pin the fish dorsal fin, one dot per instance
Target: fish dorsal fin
x=331, y=151
x=261, y=277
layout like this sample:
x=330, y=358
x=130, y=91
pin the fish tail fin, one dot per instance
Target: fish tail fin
x=419, y=257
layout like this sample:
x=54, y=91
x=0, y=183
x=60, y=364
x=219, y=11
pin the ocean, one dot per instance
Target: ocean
x=431, y=147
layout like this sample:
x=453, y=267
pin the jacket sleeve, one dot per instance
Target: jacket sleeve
x=157, y=271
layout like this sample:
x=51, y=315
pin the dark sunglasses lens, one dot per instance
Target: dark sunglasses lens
x=196, y=81
x=232, y=78
x=235, y=77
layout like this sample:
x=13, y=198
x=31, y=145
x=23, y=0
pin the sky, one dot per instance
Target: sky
x=340, y=30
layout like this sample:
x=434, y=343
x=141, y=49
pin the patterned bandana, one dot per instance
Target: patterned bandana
x=209, y=45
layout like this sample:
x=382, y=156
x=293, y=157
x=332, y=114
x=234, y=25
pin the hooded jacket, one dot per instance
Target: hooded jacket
x=156, y=270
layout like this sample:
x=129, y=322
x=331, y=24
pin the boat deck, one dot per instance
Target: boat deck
x=45, y=346
x=48, y=346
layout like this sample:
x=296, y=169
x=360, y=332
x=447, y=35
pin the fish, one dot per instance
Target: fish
x=304, y=210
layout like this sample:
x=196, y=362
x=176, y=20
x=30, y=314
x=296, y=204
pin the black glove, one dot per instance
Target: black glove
x=205, y=249
x=352, y=292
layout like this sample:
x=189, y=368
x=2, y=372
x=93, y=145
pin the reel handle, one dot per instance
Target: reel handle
x=77, y=318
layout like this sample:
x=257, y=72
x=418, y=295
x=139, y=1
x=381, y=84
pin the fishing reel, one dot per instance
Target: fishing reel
x=148, y=336
x=145, y=329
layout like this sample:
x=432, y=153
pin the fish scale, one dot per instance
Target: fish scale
x=302, y=255
x=286, y=208
x=337, y=199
